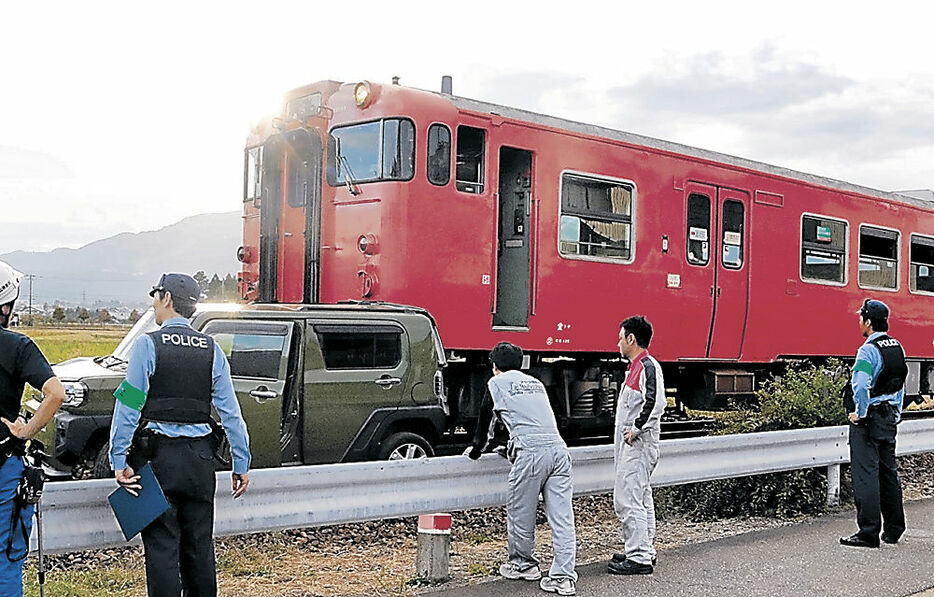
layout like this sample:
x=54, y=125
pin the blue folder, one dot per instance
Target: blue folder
x=136, y=513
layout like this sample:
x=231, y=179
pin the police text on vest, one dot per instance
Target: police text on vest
x=179, y=340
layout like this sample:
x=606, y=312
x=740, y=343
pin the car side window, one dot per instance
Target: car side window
x=254, y=349
x=360, y=346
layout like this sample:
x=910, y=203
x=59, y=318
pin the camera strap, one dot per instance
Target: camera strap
x=28, y=493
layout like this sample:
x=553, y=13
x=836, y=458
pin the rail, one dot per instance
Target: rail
x=77, y=515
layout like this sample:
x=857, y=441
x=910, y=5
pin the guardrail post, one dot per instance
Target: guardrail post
x=433, y=558
x=833, y=485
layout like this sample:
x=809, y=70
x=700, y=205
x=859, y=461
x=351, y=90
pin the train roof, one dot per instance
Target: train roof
x=923, y=199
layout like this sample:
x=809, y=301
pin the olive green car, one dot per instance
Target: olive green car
x=316, y=384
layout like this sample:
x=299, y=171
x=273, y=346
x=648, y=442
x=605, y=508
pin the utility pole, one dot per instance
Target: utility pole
x=30, y=277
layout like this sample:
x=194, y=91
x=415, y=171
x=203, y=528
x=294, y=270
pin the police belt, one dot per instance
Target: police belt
x=146, y=444
x=882, y=406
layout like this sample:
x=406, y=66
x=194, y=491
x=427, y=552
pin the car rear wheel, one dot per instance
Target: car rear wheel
x=405, y=446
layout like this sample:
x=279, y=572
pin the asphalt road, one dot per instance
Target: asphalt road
x=798, y=560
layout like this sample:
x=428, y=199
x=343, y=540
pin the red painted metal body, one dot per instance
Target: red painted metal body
x=437, y=247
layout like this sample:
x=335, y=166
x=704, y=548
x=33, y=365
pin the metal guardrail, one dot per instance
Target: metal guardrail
x=77, y=515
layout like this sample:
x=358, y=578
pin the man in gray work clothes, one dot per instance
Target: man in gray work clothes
x=541, y=464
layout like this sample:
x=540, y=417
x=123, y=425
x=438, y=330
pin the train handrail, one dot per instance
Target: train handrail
x=77, y=515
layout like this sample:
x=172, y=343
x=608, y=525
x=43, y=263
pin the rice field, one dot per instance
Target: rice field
x=60, y=344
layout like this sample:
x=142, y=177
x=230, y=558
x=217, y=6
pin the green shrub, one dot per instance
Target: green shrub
x=804, y=396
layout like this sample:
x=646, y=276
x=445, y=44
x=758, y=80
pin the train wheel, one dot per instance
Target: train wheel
x=405, y=446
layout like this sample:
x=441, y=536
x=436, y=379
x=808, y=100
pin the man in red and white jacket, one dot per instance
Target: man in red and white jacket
x=638, y=415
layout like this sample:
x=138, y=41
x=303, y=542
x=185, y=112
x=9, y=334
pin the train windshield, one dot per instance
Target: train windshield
x=381, y=150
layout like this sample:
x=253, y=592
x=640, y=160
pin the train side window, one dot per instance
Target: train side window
x=253, y=178
x=698, y=245
x=596, y=218
x=733, y=230
x=878, y=257
x=439, y=154
x=823, y=249
x=921, y=277
x=471, y=143
x=360, y=346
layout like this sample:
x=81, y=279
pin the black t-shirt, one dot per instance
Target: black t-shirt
x=21, y=362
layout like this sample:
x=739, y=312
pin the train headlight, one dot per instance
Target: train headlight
x=75, y=393
x=363, y=94
x=367, y=244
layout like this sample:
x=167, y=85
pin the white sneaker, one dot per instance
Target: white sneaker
x=561, y=586
x=512, y=572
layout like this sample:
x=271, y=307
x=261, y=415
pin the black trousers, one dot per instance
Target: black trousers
x=179, y=545
x=876, y=487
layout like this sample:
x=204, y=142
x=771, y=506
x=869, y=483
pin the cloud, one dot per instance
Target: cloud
x=714, y=85
x=18, y=163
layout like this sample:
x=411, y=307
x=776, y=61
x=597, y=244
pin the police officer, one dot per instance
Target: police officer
x=541, y=465
x=878, y=391
x=173, y=377
x=21, y=362
x=636, y=448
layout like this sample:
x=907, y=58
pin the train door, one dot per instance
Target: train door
x=305, y=184
x=269, y=211
x=700, y=274
x=731, y=281
x=513, y=251
x=291, y=204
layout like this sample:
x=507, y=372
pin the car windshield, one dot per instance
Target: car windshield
x=145, y=324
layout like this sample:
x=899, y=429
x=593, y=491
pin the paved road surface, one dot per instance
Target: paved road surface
x=793, y=561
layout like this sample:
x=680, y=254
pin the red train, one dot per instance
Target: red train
x=511, y=225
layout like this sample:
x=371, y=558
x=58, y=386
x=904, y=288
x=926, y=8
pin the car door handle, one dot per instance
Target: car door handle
x=387, y=382
x=261, y=394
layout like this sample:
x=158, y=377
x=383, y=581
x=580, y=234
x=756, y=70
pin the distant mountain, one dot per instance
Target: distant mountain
x=124, y=267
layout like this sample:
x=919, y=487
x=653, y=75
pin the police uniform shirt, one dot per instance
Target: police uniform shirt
x=21, y=362
x=131, y=398
x=865, y=373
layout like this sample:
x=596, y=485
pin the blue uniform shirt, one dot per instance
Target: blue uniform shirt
x=862, y=381
x=142, y=364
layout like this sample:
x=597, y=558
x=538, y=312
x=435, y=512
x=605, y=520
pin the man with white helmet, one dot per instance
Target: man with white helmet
x=21, y=362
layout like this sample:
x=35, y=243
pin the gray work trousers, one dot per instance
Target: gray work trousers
x=632, y=494
x=540, y=467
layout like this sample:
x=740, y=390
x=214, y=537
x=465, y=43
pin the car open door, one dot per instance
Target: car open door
x=263, y=374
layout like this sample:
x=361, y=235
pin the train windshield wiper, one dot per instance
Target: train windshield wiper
x=348, y=173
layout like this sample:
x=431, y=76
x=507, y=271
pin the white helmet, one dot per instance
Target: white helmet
x=9, y=283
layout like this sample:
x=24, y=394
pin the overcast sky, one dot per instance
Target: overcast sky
x=122, y=116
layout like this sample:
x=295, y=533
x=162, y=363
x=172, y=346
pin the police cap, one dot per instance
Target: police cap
x=183, y=288
x=873, y=309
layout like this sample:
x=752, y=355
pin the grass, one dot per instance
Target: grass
x=105, y=581
x=60, y=344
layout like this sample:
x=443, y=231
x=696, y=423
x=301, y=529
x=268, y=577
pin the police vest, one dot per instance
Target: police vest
x=180, y=387
x=894, y=370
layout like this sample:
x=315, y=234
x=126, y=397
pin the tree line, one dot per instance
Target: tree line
x=217, y=289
